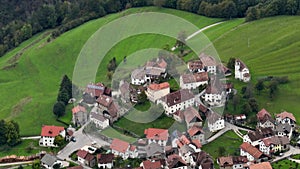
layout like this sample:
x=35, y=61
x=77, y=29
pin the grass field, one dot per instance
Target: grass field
x=285, y=164
x=37, y=75
x=230, y=141
x=269, y=47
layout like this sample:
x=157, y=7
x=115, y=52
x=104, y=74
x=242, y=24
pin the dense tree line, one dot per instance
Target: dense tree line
x=20, y=20
x=9, y=133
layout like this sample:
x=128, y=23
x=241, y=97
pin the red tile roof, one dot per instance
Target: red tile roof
x=262, y=113
x=95, y=89
x=194, y=130
x=119, y=145
x=82, y=153
x=253, y=151
x=197, y=143
x=104, y=100
x=207, y=60
x=160, y=86
x=78, y=109
x=132, y=148
x=156, y=134
x=263, y=165
x=51, y=131
x=152, y=165
x=286, y=114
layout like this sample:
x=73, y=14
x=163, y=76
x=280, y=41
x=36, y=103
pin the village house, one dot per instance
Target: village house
x=209, y=63
x=99, y=120
x=157, y=91
x=241, y=71
x=49, y=133
x=95, y=90
x=152, y=164
x=138, y=76
x=80, y=115
x=178, y=100
x=232, y=162
x=105, y=161
x=251, y=152
x=50, y=161
x=174, y=161
x=120, y=148
x=215, y=93
x=109, y=107
x=255, y=137
x=192, y=81
x=159, y=136
x=284, y=130
x=274, y=144
x=123, y=149
x=195, y=66
x=202, y=160
x=215, y=121
x=286, y=117
x=155, y=69
x=85, y=158
x=154, y=151
x=265, y=119
x=192, y=117
x=196, y=133
x=263, y=165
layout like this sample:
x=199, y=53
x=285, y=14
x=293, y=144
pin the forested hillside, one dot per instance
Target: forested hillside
x=19, y=20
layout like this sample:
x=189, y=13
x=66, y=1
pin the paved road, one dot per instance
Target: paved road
x=16, y=163
x=31, y=138
x=82, y=139
x=287, y=154
x=203, y=29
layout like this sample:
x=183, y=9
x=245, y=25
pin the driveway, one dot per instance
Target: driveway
x=287, y=154
x=82, y=139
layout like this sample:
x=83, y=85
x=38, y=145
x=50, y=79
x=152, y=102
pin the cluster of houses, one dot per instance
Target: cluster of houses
x=271, y=137
x=161, y=149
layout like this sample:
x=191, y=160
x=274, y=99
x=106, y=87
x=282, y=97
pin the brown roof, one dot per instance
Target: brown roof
x=214, y=86
x=119, y=145
x=152, y=164
x=160, y=86
x=175, y=160
x=255, y=135
x=276, y=140
x=191, y=114
x=202, y=108
x=225, y=161
x=212, y=117
x=195, y=130
x=89, y=157
x=197, y=143
x=105, y=158
x=178, y=97
x=197, y=77
x=263, y=114
x=132, y=148
x=195, y=64
x=286, y=114
x=82, y=153
x=263, y=165
x=203, y=159
x=253, y=151
x=113, y=110
x=104, y=100
x=207, y=60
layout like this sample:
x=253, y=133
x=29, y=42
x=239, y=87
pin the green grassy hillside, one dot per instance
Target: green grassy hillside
x=29, y=90
x=269, y=46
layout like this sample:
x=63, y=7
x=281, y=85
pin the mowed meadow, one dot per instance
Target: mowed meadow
x=29, y=89
x=269, y=47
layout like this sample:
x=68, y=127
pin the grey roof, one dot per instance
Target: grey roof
x=97, y=116
x=283, y=128
x=154, y=149
x=49, y=159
